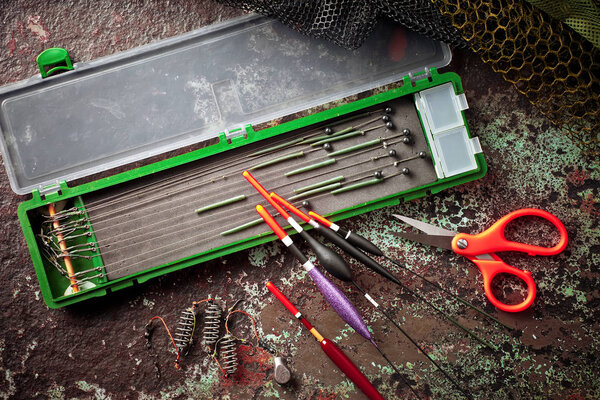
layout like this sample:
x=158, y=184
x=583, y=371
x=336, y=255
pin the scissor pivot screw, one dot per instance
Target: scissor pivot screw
x=462, y=244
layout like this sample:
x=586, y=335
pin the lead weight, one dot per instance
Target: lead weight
x=281, y=374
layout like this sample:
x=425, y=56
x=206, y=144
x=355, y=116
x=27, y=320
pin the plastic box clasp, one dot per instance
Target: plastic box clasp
x=53, y=60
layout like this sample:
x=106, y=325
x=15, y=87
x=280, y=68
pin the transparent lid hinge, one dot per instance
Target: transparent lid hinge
x=230, y=134
x=414, y=77
x=51, y=189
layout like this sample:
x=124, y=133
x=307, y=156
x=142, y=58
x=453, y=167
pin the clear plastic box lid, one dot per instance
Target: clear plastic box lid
x=179, y=91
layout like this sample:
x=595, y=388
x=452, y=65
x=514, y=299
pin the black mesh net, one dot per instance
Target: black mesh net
x=349, y=22
x=423, y=17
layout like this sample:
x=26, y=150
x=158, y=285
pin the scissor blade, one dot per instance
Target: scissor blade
x=445, y=242
x=425, y=227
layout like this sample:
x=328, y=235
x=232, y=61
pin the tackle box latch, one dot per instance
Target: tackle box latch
x=53, y=60
x=426, y=74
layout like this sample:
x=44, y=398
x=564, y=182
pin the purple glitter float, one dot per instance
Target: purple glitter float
x=340, y=303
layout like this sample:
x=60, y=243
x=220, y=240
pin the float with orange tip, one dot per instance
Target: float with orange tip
x=336, y=299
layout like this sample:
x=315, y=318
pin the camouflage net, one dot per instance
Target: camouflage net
x=557, y=69
x=581, y=15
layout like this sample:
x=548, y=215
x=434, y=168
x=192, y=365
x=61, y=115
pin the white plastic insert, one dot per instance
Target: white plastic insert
x=441, y=112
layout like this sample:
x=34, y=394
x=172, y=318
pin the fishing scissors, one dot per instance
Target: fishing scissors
x=481, y=249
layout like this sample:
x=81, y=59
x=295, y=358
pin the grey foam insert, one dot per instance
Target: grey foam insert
x=151, y=221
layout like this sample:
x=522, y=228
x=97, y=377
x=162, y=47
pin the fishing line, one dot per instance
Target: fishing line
x=165, y=253
x=108, y=216
x=223, y=162
x=449, y=318
x=328, y=132
x=217, y=164
x=196, y=225
x=148, y=335
x=439, y=287
x=224, y=177
x=326, y=146
x=98, y=219
x=386, y=314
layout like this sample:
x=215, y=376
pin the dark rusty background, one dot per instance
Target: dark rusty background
x=97, y=350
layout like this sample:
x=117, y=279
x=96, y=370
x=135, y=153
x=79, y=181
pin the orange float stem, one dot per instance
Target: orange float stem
x=63, y=248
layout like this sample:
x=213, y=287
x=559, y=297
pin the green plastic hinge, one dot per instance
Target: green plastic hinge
x=52, y=60
x=249, y=130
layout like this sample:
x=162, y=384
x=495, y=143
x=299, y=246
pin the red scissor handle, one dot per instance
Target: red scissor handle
x=493, y=240
x=490, y=268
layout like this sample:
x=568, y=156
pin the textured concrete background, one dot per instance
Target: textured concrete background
x=97, y=350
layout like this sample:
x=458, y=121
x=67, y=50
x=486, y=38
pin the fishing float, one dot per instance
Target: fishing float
x=328, y=259
x=345, y=275
x=335, y=354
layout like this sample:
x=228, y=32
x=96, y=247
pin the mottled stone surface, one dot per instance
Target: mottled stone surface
x=97, y=349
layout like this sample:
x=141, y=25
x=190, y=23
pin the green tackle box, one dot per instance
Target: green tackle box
x=216, y=85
